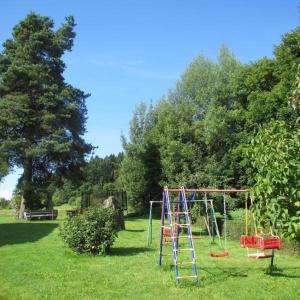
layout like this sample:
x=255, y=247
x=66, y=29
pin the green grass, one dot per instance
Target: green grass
x=35, y=264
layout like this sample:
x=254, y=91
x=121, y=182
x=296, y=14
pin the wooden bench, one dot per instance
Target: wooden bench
x=72, y=212
x=40, y=214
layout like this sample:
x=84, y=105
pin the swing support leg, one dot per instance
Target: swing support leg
x=272, y=259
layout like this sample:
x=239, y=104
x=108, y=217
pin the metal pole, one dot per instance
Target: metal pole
x=162, y=227
x=225, y=223
x=149, y=237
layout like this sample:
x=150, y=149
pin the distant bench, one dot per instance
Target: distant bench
x=72, y=212
x=40, y=214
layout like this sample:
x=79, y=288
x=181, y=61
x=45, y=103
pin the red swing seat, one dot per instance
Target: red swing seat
x=259, y=255
x=218, y=255
x=167, y=233
x=262, y=243
x=273, y=242
x=249, y=241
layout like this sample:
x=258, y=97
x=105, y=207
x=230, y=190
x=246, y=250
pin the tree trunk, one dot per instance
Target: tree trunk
x=22, y=208
x=27, y=186
x=49, y=201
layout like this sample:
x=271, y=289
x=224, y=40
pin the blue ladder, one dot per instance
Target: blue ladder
x=182, y=209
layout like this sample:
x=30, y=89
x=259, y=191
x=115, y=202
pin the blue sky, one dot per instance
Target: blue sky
x=128, y=51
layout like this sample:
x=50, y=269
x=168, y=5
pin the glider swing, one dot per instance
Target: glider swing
x=259, y=241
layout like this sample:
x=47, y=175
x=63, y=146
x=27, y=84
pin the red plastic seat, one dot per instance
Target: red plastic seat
x=218, y=255
x=167, y=232
x=250, y=241
x=273, y=242
x=262, y=243
x=259, y=255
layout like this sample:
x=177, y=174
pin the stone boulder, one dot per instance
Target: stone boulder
x=112, y=202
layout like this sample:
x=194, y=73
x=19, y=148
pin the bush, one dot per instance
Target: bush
x=195, y=213
x=94, y=231
x=16, y=202
x=4, y=203
x=236, y=224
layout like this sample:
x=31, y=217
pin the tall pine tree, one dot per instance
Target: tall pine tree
x=42, y=118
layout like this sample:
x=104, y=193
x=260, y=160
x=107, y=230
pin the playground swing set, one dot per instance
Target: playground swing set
x=176, y=231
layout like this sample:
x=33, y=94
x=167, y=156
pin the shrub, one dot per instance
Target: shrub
x=4, y=203
x=16, y=202
x=195, y=213
x=94, y=231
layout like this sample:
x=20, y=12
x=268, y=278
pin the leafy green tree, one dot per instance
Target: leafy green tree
x=172, y=133
x=140, y=169
x=3, y=168
x=99, y=171
x=275, y=153
x=42, y=118
x=262, y=92
x=201, y=132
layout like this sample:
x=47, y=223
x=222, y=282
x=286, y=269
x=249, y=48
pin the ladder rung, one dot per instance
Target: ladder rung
x=182, y=236
x=166, y=227
x=167, y=243
x=186, y=263
x=184, y=249
x=187, y=276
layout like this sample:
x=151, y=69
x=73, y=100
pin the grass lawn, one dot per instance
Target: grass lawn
x=35, y=264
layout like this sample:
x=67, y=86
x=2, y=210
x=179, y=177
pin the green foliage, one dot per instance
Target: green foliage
x=201, y=132
x=195, y=212
x=16, y=200
x=236, y=224
x=94, y=231
x=99, y=171
x=42, y=118
x=140, y=170
x=4, y=203
x=66, y=194
x=275, y=153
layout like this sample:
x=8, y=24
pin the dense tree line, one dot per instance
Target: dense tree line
x=207, y=131
x=225, y=124
x=98, y=177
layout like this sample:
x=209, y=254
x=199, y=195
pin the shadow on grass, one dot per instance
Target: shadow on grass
x=135, y=230
x=128, y=251
x=276, y=272
x=221, y=274
x=19, y=233
x=134, y=216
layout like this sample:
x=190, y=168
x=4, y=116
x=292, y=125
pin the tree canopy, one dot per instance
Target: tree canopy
x=225, y=124
x=42, y=118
